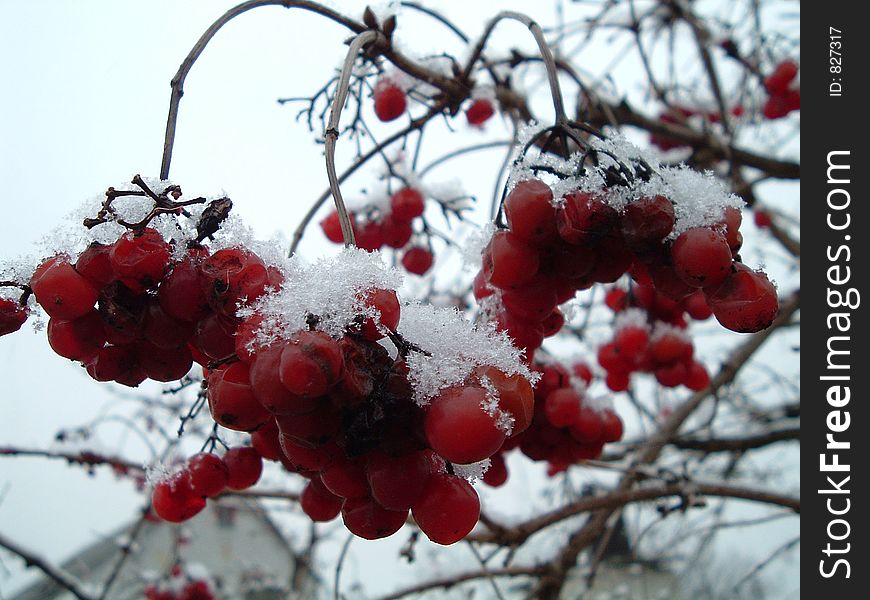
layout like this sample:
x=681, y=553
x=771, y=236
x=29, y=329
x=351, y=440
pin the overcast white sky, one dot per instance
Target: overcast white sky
x=86, y=88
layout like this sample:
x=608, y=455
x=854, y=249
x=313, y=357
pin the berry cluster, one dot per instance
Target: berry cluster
x=390, y=100
x=341, y=412
x=130, y=311
x=550, y=251
x=12, y=316
x=392, y=228
x=567, y=425
x=183, y=494
x=783, y=96
x=180, y=586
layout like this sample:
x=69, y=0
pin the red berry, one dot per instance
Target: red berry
x=479, y=112
x=346, y=478
x=208, y=474
x=311, y=364
x=616, y=299
x=117, y=363
x=746, y=301
x=214, y=336
x=696, y=305
x=611, y=426
x=365, y=518
x=398, y=482
x=617, y=381
x=233, y=277
x=731, y=220
x=449, y=509
x=370, y=237
x=265, y=441
x=646, y=222
x=299, y=458
x=163, y=330
x=588, y=426
x=174, y=500
x=231, y=400
x=244, y=467
x=697, y=379
x=313, y=429
x=140, y=260
x=496, y=475
x=459, y=428
x=12, y=316
x=668, y=348
x=61, y=291
x=630, y=342
x=515, y=395
x=777, y=82
x=331, y=227
x=417, y=260
x=407, y=204
x=530, y=213
x=390, y=100
x=386, y=302
x=181, y=292
x=164, y=364
x=80, y=339
x=583, y=371
x=762, y=219
x=396, y=233
x=509, y=261
x=94, y=265
x=701, y=257
x=319, y=503
x=268, y=389
x=562, y=407
x=672, y=375
x=584, y=218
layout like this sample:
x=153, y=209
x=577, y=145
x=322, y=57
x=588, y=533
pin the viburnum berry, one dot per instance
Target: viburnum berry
x=214, y=336
x=319, y=503
x=164, y=364
x=398, y=482
x=94, y=265
x=611, y=426
x=117, y=363
x=479, y=112
x=61, y=291
x=139, y=260
x=762, y=218
x=12, y=316
x=449, y=509
x=530, y=213
x=646, y=222
x=347, y=478
x=697, y=378
x=701, y=257
x=390, y=100
x=407, y=204
x=231, y=400
x=459, y=428
x=311, y=364
x=174, y=500
x=417, y=260
x=396, y=233
x=181, y=293
x=386, y=302
x=583, y=218
x=562, y=407
x=312, y=429
x=777, y=82
x=746, y=301
x=369, y=237
x=509, y=261
x=365, y=518
x=80, y=339
x=232, y=277
x=497, y=474
x=208, y=474
x=265, y=441
x=244, y=467
x=331, y=227
x=267, y=387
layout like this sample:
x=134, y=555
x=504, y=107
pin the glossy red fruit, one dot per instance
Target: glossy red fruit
x=231, y=400
x=61, y=291
x=181, y=293
x=208, y=474
x=347, y=478
x=265, y=441
x=174, y=500
x=162, y=330
x=668, y=348
x=611, y=426
x=630, y=342
x=701, y=257
x=79, y=339
x=319, y=503
x=390, y=100
x=697, y=378
x=533, y=302
x=562, y=407
x=617, y=381
x=244, y=467
x=762, y=219
x=646, y=222
x=311, y=364
x=94, y=265
x=588, y=426
x=312, y=429
x=140, y=260
x=396, y=233
x=515, y=395
x=417, y=260
x=585, y=218
x=459, y=428
x=214, y=336
x=449, y=509
x=746, y=301
x=370, y=237
x=553, y=323
x=386, y=302
x=479, y=112
x=265, y=374
x=119, y=364
x=530, y=213
x=303, y=459
x=233, y=277
x=365, y=518
x=497, y=474
x=12, y=316
x=407, y=204
x=672, y=375
x=164, y=364
x=696, y=305
x=331, y=227
x=509, y=261
x=398, y=482
x=616, y=299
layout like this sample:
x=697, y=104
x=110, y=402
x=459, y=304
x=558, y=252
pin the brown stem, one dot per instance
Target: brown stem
x=58, y=575
x=448, y=582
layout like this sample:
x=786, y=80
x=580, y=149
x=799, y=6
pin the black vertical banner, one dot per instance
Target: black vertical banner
x=836, y=257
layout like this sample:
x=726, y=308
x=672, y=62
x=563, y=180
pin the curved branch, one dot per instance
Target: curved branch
x=177, y=82
x=56, y=574
x=449, y=581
